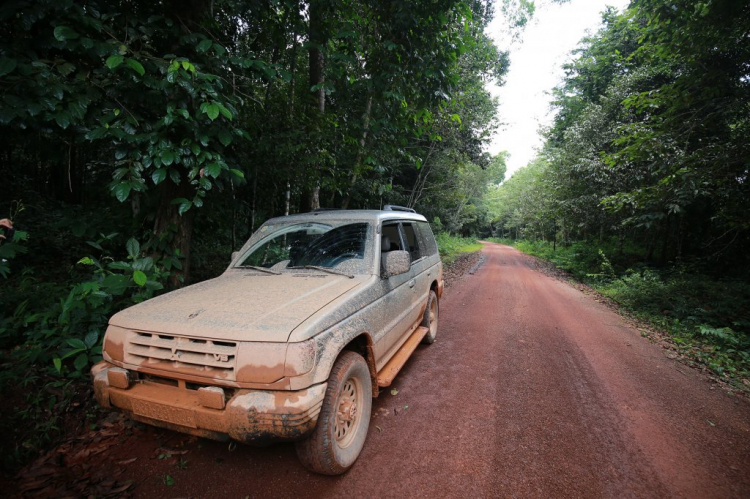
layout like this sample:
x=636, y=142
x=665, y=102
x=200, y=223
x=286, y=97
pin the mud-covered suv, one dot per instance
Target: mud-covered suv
x=313, y=316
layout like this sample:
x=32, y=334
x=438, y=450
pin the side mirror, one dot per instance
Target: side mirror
x=395, y=263
x=234, y=255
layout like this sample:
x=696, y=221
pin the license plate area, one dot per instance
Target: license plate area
x=166, y=413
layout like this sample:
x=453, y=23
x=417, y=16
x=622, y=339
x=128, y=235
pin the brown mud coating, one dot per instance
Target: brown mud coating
x=532, y=389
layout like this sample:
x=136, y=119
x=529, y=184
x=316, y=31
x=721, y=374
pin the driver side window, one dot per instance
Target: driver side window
x=392, y=237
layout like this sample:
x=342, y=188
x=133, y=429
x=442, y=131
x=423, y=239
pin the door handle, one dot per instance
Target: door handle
x=412, y=283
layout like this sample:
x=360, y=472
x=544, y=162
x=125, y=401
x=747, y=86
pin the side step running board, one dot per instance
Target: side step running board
x=391, y=369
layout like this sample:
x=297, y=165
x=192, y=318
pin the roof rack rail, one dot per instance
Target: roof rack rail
x=395, y=207
x=325, y=209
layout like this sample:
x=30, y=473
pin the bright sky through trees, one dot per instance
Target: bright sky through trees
x=535, y=68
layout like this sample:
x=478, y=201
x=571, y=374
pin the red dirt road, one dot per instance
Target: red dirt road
x=533, y=389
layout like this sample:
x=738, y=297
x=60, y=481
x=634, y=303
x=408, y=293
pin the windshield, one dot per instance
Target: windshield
x=296, y=246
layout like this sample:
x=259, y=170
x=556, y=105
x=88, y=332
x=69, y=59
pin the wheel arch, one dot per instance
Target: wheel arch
x=363, y=345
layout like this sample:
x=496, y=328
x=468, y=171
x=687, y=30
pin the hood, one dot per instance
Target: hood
x=238, y=306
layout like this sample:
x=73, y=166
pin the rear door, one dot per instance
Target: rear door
x=420, y=284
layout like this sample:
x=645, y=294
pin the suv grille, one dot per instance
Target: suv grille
x=180, y=352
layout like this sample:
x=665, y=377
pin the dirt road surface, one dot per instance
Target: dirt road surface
x=533, y=389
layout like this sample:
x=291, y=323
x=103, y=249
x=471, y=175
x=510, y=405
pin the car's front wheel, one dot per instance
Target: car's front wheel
x=343, y=421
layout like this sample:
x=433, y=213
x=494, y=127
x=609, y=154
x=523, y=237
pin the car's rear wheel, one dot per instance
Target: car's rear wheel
x=430, y=320
x=344, y=418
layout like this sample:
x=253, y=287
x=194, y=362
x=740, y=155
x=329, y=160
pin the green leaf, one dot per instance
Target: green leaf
x=119, y=266
x=139, y=277
x=204, y=45
x=63, y=33
x=122, y=191
x=57, y=361
x=136, y=66
x=237, y=173
x=154, y=286
x=159, y=175
x=225, y=137
x=91, y=338
x=66, y=68
x=167, y=157
x=212, y=110
x=86, y=261
x=115, y=284
x=81, y=361
x=168, y=480
x=184, y=207
x=145, y=264
x=133, y=247
x=7, y=65
x=63, y=119
x=213, y=170
x=225, y=112
x=113, y=61
x=76, y=343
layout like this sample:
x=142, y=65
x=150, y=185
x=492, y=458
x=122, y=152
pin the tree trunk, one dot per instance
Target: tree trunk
x=665, y=242
x=253, y=203
x=317, y=78
x=176, y=229
x=360, y=152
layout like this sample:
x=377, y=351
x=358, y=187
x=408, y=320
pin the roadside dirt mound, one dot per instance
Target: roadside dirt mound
x=461, y=266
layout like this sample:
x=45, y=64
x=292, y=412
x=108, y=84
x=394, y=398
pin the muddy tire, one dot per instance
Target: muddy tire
x=430, y=320
x=344, y=419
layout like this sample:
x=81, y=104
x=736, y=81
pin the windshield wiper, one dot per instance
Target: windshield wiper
x=262, y=269
x=324, y=269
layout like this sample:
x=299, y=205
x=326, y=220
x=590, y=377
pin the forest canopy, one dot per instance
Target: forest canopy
x=651, y=139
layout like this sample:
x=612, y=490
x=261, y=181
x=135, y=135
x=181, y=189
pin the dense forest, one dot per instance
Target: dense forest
x=142, y=142
x=642, y=188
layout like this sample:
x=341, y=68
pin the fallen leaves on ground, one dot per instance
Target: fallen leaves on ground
x=67, y=471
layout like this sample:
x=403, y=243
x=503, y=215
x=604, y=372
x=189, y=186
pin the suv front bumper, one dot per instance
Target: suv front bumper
x=254, y=417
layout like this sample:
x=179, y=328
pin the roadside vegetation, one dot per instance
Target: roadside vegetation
x=451, y=247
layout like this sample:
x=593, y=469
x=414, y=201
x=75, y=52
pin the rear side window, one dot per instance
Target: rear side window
x=412, y=242
x=429, y=246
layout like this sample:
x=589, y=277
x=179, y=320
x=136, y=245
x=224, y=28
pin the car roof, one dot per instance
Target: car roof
x=375, y=216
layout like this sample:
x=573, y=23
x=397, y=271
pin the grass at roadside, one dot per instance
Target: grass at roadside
x=452, y=246
x=707, y=317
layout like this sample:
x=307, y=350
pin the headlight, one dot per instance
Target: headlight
x=300, y=358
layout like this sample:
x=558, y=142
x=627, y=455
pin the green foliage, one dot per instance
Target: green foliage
x=56, y=332
x=451, y=247
x=649, y=142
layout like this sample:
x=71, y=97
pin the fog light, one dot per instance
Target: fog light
x=211, y=397
x=118, y=378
